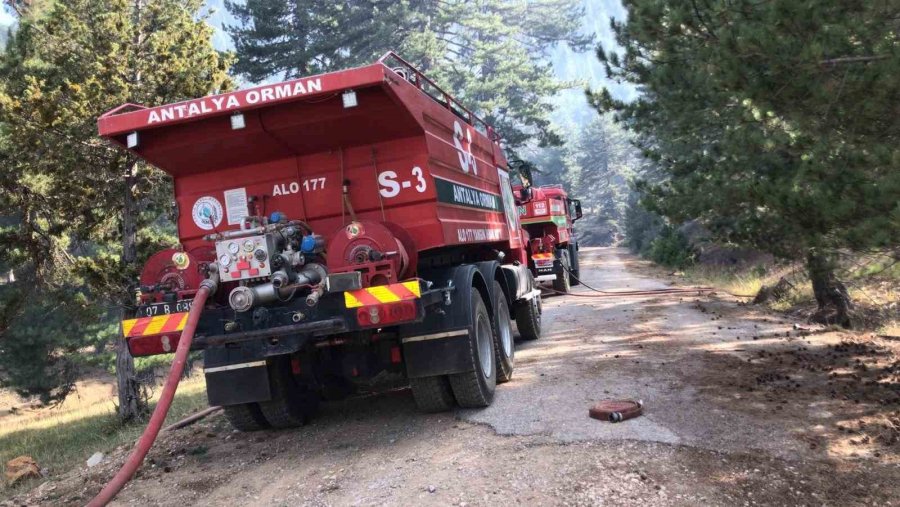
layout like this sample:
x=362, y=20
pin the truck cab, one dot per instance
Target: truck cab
x=548, y=215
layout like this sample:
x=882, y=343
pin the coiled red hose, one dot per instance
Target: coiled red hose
x=143, y=445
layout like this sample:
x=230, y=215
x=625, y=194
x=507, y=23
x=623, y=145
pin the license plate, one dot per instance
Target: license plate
x=543, y=263
x=154, y=309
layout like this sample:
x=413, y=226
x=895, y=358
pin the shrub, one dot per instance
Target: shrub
x=642, y=227
x=670, y=248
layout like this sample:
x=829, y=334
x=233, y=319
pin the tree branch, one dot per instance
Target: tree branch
x=853, y=59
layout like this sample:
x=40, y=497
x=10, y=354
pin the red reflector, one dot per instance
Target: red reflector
x=153, y=345
x=386, y=314
x=295, y=366
x=395, y=355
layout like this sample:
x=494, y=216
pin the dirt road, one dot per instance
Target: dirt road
x=741, y=408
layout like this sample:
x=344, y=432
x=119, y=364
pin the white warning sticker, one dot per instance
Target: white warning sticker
x=236, y=205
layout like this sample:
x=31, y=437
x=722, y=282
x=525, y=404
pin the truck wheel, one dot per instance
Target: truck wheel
x=292, y=403
x=432, y=394
x=475, y=389
x=561, y=284
x=504, y=348
x=528, y=318
x=245, y=417
x=575, y=267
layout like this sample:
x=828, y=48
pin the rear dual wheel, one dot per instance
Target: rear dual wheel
x=563, y=282
x=432, y=394
x=504, y=348
x=292, y=403
x=575, y=265
x=528, y=317
x=245, y=417
x=475, y=388
x=471, y=389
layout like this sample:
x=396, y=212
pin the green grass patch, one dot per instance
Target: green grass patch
x=742, y=282
x=881, y=267
x=63, y=439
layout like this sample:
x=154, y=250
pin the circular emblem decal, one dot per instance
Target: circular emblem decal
x=207, y=213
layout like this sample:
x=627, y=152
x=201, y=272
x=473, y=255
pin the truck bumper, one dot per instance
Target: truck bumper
x=235, y=359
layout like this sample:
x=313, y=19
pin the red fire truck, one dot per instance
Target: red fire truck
x=348, y=225
x=549, y=215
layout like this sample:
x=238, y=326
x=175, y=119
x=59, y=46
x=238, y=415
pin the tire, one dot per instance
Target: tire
x=475, y=389
x=504, y=347
x=432, y=394
x=292, y=403
x=575, y=267
x=562, y=282
x=528, y=318
x=245, y=417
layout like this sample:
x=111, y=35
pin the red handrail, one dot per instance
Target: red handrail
x=448, y=101
x=119, y=109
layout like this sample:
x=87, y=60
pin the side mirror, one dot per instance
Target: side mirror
x=575, y=209
x=526, y=194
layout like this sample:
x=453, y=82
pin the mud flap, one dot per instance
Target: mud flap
x=442, y=353
x=238, y=383
x=518, y=280
x=440, y=345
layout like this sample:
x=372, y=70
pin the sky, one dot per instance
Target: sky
x=585, y=68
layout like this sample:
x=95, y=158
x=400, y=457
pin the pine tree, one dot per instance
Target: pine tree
x=773, y=121
x=597, y=166
x=491, y=54
x=79, y=211
x=276, y=38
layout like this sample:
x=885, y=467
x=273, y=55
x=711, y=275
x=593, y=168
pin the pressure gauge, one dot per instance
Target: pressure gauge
x=233, y=247
x=225, y=260
x=248, y=245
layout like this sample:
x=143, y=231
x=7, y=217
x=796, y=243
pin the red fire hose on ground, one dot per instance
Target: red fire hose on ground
x=143, y=445
x=670, y=291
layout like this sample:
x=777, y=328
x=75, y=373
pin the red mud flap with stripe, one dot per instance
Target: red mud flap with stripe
x=150, y=336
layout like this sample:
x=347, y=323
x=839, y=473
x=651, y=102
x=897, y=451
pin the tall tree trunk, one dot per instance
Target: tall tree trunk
x=131, y=404
x=831, y=294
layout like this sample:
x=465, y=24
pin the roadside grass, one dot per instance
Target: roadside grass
x=64, y=437
x=740, y=282
x=873, y=282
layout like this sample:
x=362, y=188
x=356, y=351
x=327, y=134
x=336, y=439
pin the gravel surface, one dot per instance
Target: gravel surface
x=741, y=408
